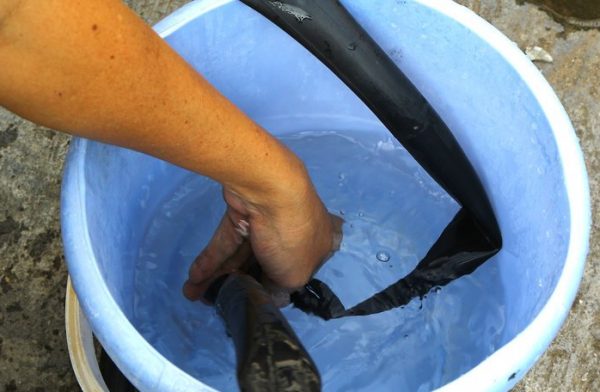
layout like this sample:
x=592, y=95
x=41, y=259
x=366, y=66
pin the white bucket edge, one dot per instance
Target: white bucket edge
x=491, y=372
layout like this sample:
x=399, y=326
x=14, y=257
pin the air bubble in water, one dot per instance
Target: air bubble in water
x=383, y=256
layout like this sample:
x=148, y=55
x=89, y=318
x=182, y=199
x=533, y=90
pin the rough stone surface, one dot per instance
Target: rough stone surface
x=33, y=348
x=33, y=354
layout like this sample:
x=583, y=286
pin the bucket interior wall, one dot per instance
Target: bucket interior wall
x=491, y=111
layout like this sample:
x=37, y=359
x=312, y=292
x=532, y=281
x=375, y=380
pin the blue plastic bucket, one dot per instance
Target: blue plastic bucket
x=501, y=110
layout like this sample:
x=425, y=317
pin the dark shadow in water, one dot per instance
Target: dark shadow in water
x=578, y=13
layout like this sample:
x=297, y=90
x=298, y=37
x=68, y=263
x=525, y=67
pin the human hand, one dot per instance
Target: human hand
x=290, y=234
x=115, y=80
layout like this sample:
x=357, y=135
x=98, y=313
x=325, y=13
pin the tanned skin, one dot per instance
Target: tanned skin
x=93, y=68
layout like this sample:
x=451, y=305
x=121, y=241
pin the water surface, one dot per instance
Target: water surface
x=393, y=212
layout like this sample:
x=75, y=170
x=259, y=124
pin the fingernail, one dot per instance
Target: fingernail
x=243, y=227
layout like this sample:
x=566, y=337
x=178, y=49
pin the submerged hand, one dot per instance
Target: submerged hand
x=290, y=235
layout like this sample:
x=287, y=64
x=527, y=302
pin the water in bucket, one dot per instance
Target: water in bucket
x=505, y=116
x=393, y=213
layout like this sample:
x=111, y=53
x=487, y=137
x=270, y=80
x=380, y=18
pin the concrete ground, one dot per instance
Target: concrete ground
x=33, y=353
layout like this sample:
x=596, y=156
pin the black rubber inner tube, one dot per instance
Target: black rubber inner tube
x=331, y=34
x=269, y=355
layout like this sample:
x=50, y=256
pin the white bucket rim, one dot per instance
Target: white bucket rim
x=491, y=374
x=80, y=343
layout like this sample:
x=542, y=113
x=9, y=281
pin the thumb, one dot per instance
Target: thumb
x=225, y=242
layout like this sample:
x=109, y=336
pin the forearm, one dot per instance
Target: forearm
x=94, y=69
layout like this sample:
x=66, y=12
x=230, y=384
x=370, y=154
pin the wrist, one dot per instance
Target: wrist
x=275, y=182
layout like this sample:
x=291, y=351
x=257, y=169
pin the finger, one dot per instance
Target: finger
x=195, y=290
x=238, y=259
x=224, y=244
